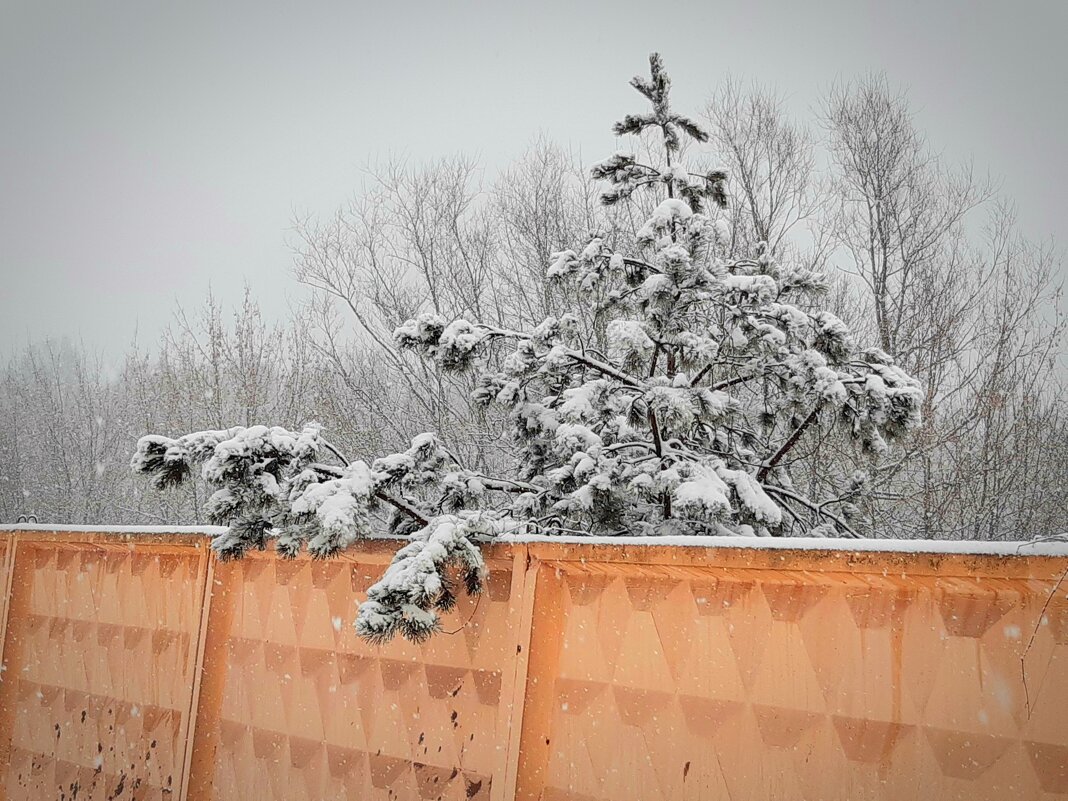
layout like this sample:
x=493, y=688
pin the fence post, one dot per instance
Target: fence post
x=16, y=597
x=209, y=681
x=7, y=573
x=524, y=572
x=545, y=635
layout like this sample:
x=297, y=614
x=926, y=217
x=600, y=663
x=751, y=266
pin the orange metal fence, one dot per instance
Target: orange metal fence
x=139, y=667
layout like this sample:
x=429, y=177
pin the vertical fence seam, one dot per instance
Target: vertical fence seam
x=522, y=673
x=198, y=668
x=7, y=650
x=9, y=577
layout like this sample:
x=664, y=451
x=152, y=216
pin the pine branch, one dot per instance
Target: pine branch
x=607, y=369
x=658, y=446
x=344, y=459
x=399, y=503
x=574, y=355
x=630, y=262
x=793, y=496
x=733, y=381
x=508, y=485
x=787, y=446
x=653, y=360
x=403, y=506
x=327, y=469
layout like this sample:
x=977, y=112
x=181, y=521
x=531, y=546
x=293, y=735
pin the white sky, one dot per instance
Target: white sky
x=149, y=149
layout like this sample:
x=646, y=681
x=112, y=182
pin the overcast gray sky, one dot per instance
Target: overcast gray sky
x=149, y=149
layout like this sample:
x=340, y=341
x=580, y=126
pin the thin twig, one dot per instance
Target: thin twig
x=478, y=599
x=1034, y=634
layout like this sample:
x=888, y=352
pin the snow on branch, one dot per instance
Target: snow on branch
x=417, y=585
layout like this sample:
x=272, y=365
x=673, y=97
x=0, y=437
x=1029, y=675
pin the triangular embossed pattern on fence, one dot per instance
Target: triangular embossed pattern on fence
x=139, y=667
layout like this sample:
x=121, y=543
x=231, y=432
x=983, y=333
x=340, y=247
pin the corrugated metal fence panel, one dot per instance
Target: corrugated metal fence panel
x=139, y=667
x=759, y=677
x=307, y=711
x=99, y=662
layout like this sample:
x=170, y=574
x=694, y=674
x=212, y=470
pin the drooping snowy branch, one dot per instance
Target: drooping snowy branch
x=417, y=584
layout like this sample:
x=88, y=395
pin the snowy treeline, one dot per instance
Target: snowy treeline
x=70, y=421
x=924, y=264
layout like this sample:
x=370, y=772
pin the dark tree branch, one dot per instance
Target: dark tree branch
x=787, y=446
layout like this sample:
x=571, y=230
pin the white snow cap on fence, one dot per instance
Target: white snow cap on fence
x=1044, y=547
x=1049, y=546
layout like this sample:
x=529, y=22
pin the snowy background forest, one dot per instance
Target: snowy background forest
x=216, y=216
x=924, y=253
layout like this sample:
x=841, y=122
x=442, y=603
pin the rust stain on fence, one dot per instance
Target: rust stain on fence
x=139, y=667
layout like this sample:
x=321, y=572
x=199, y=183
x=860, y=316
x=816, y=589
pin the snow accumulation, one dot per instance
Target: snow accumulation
x=1045, y=547
x=207, y=531
x=974, y=547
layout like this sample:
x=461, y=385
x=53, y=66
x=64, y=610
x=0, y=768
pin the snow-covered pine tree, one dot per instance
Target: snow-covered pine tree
x=686, y=423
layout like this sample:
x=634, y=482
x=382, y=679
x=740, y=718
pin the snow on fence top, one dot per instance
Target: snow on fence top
x=1045, y=547
x=207, y=531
